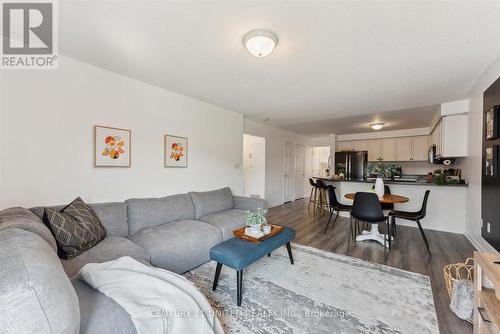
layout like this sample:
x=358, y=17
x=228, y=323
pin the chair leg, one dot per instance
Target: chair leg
x=356, y=223
x=388, y=231
x=315, y=199
x=385, y=238
x=351, y=234
x=329, y=219
x=310, y=199
x=217, y=274
x=423, y=236
x=336, y=216
x=289, y=249
x=239, y=286
x=393, y=224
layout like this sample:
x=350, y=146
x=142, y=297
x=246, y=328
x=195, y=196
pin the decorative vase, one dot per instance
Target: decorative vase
x=266, y=229
x=379, y=187
x=255, y=228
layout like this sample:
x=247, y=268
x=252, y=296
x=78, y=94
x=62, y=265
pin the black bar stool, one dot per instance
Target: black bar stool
x=322, y=199
x=314, y=193
x=335, y=205
x=413, y=216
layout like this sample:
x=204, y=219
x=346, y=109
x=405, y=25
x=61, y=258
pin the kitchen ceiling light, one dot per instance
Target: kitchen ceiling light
x=377, y=126
x=260, y=43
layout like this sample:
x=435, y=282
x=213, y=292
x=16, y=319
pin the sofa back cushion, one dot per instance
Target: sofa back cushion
x=113, y=216
x=208, y=202
x=149, y=212
x=24, y=219
x=36, y=296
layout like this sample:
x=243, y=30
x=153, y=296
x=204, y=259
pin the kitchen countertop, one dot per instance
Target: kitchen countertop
x=409, y=183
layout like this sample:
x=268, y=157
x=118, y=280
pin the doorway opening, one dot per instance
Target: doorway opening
x=254, y=166
x=320, y=160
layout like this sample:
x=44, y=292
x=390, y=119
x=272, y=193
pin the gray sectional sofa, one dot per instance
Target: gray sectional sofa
x=40, y=293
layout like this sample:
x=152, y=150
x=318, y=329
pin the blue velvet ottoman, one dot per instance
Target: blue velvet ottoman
x=238, y=254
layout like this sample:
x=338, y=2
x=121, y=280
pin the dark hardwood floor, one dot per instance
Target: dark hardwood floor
x=408, y=251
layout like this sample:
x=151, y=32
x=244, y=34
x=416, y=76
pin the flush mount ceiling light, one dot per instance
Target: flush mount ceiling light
x=377, y=126
x=260, y=43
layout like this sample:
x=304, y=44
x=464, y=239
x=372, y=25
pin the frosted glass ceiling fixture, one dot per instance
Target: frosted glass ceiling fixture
x=377, y=126
x=260, y=43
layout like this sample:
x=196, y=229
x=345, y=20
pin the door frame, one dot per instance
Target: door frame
x=284, y=170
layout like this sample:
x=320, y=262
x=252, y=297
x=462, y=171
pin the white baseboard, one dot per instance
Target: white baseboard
x=480, y=244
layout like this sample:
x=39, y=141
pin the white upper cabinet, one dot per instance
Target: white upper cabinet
x=345, y=146
x=404, y=149
x=360, y=145
x=420, y=148
x=374, y=147
x=454, y=136
x=450, y=136
x=389, y=149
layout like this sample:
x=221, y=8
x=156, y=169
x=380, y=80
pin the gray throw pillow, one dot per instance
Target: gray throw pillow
x=76, y=228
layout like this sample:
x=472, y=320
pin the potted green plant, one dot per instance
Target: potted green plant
x=256, y=219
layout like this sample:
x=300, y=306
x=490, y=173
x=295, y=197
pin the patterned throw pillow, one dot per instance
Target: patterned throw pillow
x=76, y=228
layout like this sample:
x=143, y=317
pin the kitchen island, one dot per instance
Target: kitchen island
x=445, y=208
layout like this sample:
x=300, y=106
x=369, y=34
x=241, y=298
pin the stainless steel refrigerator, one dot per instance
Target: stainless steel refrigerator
x=351, y=164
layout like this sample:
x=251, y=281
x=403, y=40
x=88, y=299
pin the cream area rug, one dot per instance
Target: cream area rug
x=322, y=293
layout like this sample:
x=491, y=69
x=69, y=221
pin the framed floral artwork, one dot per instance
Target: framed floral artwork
x=176, y=151
x=112, y=147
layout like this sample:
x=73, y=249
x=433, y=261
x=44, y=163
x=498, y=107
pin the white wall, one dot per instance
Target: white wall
x=254, y=166
x=275, y=151
x=473, y=164
x=46, y=137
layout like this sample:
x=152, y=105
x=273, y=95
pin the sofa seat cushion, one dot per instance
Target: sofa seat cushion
x=100, y=314
x=36, y=296
x=208, y=202
x=111, y=248
x=179, y=246
x=227, y=221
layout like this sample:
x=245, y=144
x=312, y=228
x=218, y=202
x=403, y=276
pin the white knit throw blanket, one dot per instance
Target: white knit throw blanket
x=157, y=300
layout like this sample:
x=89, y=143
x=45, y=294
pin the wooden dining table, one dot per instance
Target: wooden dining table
x=374, y=233
x=387, y=199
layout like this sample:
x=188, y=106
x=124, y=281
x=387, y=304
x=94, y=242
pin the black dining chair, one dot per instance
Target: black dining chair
x=335, y=206
x=367, y=209
x=413, y=216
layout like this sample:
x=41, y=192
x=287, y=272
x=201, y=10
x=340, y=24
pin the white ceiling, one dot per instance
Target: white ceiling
x=334, y=59
x=394, y=120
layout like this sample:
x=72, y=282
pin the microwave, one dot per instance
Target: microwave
x=433, y=159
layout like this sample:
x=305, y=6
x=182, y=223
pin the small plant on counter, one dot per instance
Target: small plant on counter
x=256, y=218
x=439, y=178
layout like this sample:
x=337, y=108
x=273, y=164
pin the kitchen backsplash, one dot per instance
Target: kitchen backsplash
x=422, y=167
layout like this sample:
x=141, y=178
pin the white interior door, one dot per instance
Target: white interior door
x=289, y=172
x=300, y=170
